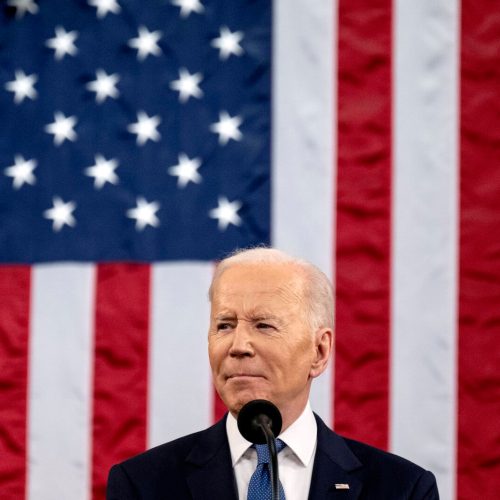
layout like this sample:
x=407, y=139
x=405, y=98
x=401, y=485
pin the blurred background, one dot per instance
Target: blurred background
x=141, y=141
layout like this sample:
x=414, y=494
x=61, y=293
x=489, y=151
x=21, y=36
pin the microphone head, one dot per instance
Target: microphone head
x=255, y=412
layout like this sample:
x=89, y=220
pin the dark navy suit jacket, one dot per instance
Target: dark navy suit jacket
x=199, y=466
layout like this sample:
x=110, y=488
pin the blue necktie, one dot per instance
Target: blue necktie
x=259, y=487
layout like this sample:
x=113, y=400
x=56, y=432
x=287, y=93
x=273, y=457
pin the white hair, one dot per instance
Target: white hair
x=318, y=292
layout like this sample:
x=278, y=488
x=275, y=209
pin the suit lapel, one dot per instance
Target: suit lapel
x=209, y=469
x=334, y=465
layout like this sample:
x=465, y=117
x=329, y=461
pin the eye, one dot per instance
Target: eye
x=223, y=326
x=264, y=326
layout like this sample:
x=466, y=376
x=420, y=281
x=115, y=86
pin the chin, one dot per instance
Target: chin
x=236, y=403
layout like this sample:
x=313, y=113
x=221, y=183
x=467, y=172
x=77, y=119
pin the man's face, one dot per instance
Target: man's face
x=260, y=343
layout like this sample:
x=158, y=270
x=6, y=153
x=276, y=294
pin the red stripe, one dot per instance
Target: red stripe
x=14, y=335
x=478, y=472
x=363, y=220
x=121, y=367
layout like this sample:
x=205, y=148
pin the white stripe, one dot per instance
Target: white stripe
x=180, y=386
x=303, y=176
x=60, y=382
x=425, y=236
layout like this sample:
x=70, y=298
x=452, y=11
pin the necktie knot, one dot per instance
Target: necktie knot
x=263, y=456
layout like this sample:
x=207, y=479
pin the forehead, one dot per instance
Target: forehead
x=260, y=282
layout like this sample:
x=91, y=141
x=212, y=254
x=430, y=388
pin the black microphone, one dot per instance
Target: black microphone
x=259, y=421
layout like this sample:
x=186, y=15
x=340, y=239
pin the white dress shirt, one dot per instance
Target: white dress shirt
x=295, y=461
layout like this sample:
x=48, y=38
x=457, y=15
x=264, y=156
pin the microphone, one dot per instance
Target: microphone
x=259, y=421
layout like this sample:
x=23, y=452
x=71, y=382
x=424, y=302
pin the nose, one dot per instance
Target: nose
x=241, y=345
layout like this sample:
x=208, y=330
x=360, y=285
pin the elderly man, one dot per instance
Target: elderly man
x=271, y=334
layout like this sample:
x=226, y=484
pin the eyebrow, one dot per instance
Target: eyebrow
x=271, y=318
x=257, y=317
x=225, y=317
x=265, y=317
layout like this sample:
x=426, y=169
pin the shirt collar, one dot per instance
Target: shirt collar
x=300, y=437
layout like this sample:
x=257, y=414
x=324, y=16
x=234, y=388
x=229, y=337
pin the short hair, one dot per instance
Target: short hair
x=317, y=290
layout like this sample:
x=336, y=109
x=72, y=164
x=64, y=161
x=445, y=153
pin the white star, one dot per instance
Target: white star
x=61, y=213
x=22, y=86
x=145, y=128
x=105, y=6
x=228, y=43
x=104, y=85
x=186, y=170
x=146, y=43
x=62, y=128
x=227, y=128
x=103, y=171
x=226, y=213
x=21, y=171
x=63, y=43
x=187, y=85
x=23, y=6
x=188, y=6
x=144, y=214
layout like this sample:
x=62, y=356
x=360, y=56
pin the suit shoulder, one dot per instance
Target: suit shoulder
x=167, y=453
x=161, y=472
x=361, y=453
x=377, y=459
x=389, y=475
x=154, y=473
x=173, y=455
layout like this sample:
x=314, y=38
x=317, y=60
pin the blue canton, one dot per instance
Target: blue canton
x=134, y=132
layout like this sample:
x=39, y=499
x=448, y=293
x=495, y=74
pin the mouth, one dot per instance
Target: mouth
x=242, y=376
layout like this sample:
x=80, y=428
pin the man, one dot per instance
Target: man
x=270, y=335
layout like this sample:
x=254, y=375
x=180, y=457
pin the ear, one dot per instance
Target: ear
x=323, y=349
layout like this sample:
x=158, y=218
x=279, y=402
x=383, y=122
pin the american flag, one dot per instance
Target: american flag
x=141, y=141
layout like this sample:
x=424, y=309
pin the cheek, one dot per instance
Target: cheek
x=216, y=350
x=214, y=360
x=299, y=359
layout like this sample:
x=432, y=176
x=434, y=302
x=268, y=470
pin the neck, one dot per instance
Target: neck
x=289, y=416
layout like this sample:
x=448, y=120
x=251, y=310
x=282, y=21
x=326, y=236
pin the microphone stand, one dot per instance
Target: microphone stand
x=264, y=423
